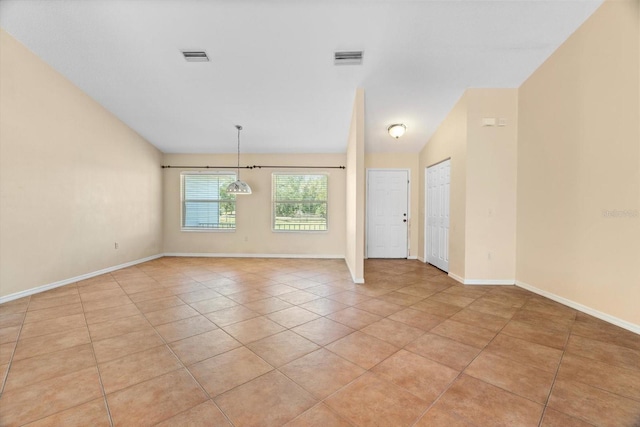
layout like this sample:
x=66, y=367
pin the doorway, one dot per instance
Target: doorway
x=387, y=213
x=437, y=197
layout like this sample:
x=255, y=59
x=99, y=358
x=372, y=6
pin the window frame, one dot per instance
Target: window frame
x=233, y=176
x=273, y=202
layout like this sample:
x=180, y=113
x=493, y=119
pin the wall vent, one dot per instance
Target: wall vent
x=353, y=57
x=195, y=55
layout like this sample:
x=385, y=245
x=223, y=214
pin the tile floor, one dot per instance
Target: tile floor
x=270, y=342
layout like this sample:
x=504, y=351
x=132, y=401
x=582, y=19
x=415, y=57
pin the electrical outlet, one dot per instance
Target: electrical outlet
x=116, y=245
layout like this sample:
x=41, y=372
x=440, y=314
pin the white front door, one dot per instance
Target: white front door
x=438, y=178
x=387, y=213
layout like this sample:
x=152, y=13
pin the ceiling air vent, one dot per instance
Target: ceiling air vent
x=353, y=57
x=195, y=55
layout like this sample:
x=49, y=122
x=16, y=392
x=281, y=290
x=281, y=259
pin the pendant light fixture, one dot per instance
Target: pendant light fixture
x=239, y=186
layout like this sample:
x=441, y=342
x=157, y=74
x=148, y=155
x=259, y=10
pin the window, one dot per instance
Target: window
x=205, y=202
x=299, y=202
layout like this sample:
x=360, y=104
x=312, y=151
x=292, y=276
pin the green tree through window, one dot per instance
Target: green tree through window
x=299, y=202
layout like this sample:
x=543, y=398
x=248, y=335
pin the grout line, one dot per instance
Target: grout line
x=13, y=353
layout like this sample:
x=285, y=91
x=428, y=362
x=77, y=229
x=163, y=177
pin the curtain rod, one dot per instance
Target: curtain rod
x=252, y=167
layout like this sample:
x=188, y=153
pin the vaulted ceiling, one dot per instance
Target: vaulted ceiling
x=271, y=65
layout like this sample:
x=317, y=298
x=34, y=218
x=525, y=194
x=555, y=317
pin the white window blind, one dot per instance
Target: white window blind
x=299, y=202
x=205, y=202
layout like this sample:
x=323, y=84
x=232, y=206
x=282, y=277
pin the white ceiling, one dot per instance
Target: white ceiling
x=272, y=69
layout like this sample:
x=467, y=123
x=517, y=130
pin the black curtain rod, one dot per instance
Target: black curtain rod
x=252, y=167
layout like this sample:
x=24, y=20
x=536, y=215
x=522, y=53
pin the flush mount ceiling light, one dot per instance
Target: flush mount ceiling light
x=397, y=130
x=239, y=186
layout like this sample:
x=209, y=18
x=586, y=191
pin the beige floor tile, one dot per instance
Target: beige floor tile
x=443, y=350
x=487, y=405
x=323, y=306
x=159, y=304
x=199, y=295
x=422, y=377
x=170, y=314
x=185, y=328
x=451, y=299
x=52, y=313
x=466, y=334
x=112, y=313
x=354, y=317
x=9, y=334
x=593, y=405
x=156, y=293
x=31, y=347
x=137, y=367
x=155, y=400
x=379, y=307
x=253, y=329
x=12, y=319
x=39, y=400
x=438, y=417
x=417, y=319
x=105, y=303
x=371, y=401
x=553, y=418
x=67, y=290
x=39, y=304
x=267, y=305
x=362, y=349
x=121, y=345
x=203, y=346
x=536, y=334
x=319, y=415
x=521, y=379
x=621, y=381
x=612, y=354
x=228, y=316
x=322, y=331
x=396, y=333
x=113, y=328
x=270, y=400
x=596, y=329
x=92, y=413
x=436, y=308
x=321, y=372
x=282, y=348
x=205, y=414
x=99, y=295
x=228, y=370
x=525, y=352
x=292, y=317
x=6, y=352
x=475, y=318
x=213, y=304
x=49, y=365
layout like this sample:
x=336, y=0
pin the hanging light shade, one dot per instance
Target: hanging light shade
x=239, y=186
x=397, y=130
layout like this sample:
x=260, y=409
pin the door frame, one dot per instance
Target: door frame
x=366, y=225
x=426, y=206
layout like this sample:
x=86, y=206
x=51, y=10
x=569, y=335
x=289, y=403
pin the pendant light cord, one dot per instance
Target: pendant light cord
x=239, y=129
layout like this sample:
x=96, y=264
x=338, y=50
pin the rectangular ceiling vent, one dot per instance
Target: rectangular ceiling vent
x=353, y=57
x=195, y=55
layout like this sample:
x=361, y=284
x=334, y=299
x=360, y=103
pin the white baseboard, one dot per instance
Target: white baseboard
x=456, y=278
x=481, y=282
x=583, y=308
x=412, y=257
x=59, y=283
x=241, y=255
x=422, y=259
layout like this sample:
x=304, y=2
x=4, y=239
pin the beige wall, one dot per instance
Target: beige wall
x=449, y=141
x=579, y=156
x=490, y=242
x=73, y=179
x=355, y=187
x=402, y=161
x=253, y=234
